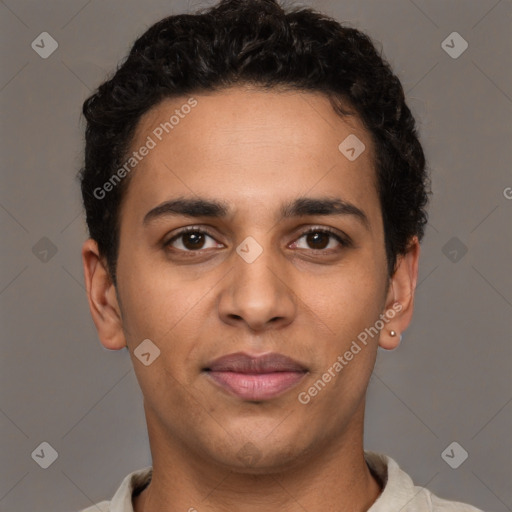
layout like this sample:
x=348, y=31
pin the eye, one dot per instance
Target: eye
x=191, y=239
x=320, y=240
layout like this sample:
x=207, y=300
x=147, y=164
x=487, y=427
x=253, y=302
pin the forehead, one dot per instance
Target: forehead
x=250, y=146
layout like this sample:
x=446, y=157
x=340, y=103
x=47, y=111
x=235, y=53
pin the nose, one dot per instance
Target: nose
x=258, y=295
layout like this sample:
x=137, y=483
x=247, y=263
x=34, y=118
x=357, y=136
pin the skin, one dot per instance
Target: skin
x=254, y=150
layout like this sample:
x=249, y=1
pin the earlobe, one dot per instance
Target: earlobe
x=102, y=298
x=390, y=339
x=400, y=299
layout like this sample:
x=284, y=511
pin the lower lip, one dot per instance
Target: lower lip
x=256, y=387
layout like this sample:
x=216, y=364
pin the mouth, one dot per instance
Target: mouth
x=255, y=378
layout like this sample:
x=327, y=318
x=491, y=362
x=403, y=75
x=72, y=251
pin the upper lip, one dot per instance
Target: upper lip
x=241, y=362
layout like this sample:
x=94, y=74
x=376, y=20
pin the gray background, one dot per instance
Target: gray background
x=449, y=381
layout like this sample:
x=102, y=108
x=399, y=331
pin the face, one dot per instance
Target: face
x=259, y=283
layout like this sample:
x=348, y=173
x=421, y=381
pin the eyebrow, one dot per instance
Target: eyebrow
x=300, y=207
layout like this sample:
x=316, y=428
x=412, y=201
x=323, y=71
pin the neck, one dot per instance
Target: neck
x=335, y=477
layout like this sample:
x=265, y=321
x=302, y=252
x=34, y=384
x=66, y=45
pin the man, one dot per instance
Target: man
x=255, y=193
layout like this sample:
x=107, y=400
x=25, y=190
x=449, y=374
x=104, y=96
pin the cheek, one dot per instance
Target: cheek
x=349, y=299
x=162, y=309
x=344, y=308
x=155, y=301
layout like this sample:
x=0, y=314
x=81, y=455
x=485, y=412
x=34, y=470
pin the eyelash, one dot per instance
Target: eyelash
x=344, y=241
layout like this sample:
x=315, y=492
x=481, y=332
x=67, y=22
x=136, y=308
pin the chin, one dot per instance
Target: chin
x=260, y=457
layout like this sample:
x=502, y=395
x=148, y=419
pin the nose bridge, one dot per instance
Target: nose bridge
x=257, y=292
x=258, y=276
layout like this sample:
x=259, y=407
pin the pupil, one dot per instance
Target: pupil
x=193, y=240
x=315, y=240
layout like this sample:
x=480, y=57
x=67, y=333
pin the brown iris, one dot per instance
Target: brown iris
x=193, y=240
x=318, y=240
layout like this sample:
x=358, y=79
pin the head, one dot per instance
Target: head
x=282, y=141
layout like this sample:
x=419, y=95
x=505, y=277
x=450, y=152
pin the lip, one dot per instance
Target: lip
x=255, y=378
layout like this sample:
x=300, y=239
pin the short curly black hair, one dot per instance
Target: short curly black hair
x=256, y=42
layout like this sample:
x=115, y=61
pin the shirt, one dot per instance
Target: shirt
x=399, y=494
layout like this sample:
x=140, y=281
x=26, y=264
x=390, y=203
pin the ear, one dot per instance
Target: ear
x=400, y=297
x=101, y=294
